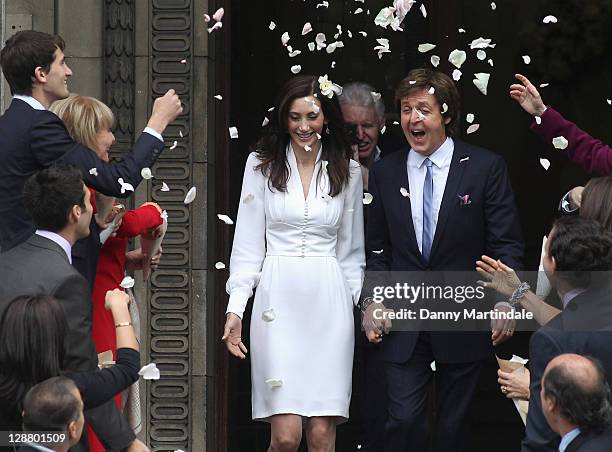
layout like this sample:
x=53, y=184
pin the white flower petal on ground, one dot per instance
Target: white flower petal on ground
x=423, y=10
x=424, y=48
x=550, y=20
x=225, y=218
x=272, y=25
x=248, y=198
x=481, y=54
x=190, y=196
x=274, y=383
x=233, y=131
x=146, y=173
x=473, y=128
x=93, y=171
x=545, y=163
x=219, y=97
x=265, y=121
x=444, y=108
x=127, y=282
x=268, y=315
x=538, y=120
x=560, y=142
x=480, y=43
x=482, y=81
x=434, y=60
x=285, y=38
x=457, y=58
x=469, y=117
x=367, y=198
x=307, y=28
x=219, y=265
x=125, y=186
x=320, y=40
x=526, y=59
x=218, y=16
x=456, y=75
x=164, y=187
x=404, y=192
x=174, y=145
x=149, y=372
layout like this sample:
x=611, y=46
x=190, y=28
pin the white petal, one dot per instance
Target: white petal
x=560, y=142
x=490, y=61
x=375, y=95
x=219, y=97
x=473, y=128
x=609, y=101
x=493, y=6
x=550, y=20
x=225, y=218
x=294, y=53
x=307, y=28
x=127, y=282
x=93, y=171
x=538, y=120
x=444, y=108
x=461, y=30
x=481, y=54
x=367, y=198
x=384, y=17
x=233, y=131
x=544, y=85
x=396, y=123
x=383, y=130
x=184, y=61
x=272, y=25
x=526, y=59
x=358, y=11
x=206, y=18
x=404, y=192
x=149, y=372
x=482, y=81
x=165, y=187
x=431, y=90
x=469, y=117
x=457, y=58
x=219, y=265
x=545, y=163
x=307, y=148
x=320, y=40
x=125, y=186
x=363, y=33
x=215, y=27
x=424, y=48
x=435, y=60
x=265, y=121
x=456, y=75
x=296, y=69
x=285, y=38
x=274, y=383
x=480, y=43
x=271, y=109
x=218, y=16
x=174, y=145
x=433, y=366
x=423, y=10
x=377, y=251
x=164, y=215
x=268, y=315
x=323, y=4
x=146, y=173
x=248, y=198
x=324, y=164
x=318, y=136
x=190, y=196
x=311, y=46
x=181, y=133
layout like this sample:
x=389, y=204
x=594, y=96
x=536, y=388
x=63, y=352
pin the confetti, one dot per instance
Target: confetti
x=493, y=6
x=383, y=46
x=404, y=192
x=164, y=187
x=174, y=145
x=526, y=59
x=358, y=11
x=307, y=148
x=544, y=85
x=457, y=58
x=377, y=251
x=285, y=38
x=218, y=16
x=149, y=372
x=482, y=81
x=127, y=282
x=434, y=60
x=191, y=194
x=320, y=41
x=265, y=121
x=490, y=61
x=363, y=33
x=384, y=17
x=456, y=75
x=431, y=90
x=481, y=43
x=294, y=53
x=215, y=27
x=560, y=142
x=268, y=315
x=184, y=61
x=225, y=218
x=469, y=117
x=296, y=69
x=367, y=198
x=307, y=28
x=473, y=128
x=545, y=163
x=375, y=95
x=272, y=25
x=274, y=383
x=233, y=131
x=219, y=97
x=383, y=130
x=146, y=173
x=538, y=120
x=125, y=186
x=311, y=46
x=93, y=171
x=323, y=4
x=550, y=20
x=423, y=10
x=481, y=54
x=219, y=265
x=461, y=30
x=424, y=48
x=444, y=108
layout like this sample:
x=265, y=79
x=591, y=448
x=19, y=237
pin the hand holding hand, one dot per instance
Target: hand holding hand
x=115, y=299
x=527, y=96
x=373, y=325
x=232, y=336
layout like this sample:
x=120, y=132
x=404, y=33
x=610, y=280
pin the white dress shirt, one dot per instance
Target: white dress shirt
x=441, y=159
x=61, y=241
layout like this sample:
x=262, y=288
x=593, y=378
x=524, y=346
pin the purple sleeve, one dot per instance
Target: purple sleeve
x=591, y=154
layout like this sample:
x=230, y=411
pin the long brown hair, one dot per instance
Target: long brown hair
x=271, y=147
x=597, y=201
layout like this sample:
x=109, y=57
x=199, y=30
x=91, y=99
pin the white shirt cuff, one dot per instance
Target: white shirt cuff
x=154, y=132
x=565, y=205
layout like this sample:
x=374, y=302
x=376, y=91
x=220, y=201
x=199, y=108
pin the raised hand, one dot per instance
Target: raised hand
x=165, y=110
x=527, y=96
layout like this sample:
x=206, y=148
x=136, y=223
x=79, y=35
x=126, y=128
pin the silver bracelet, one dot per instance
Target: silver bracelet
x=518, y=294
x=363, y=304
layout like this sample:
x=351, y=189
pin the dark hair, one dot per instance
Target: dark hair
x=32, y=330
x=585, y=405
x=271, y=148
x=580, y=247
x=51, y=405
x=23, y=53
x=597, y=201
x=50, y=194
x=445, y=93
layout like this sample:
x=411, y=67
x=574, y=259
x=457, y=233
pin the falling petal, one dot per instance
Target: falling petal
x=396, y=123
x=384, y=17
x=93, y=171
x=526, y=59
x=149, y=372
x=457, y=58
x=461, y=30
x=125, y=186
x=383, y=130
x=469, y=118
x=423, y=10
x=206, y=18
x=363, y=33
x=444, y=108
x=318, y=136
x=271, y=109
x=544, y=85
x=431, y=90
x=560, y=142
x=285, y=38
x=420, y=115
x=481, y=43
x=174, y=145
x=127, y=282
x=248, y=198
x=481, y=54
x=219, y=97
x=311, y=46
x=435, y=60
x=404, y=192
x=146, y=173
x=609, y=101
x=482, y=81
x=191, y=194
x=377, y=251
x=218, y=16
x=274, y=383
x=181, y=133
x=324, y=164
x=323, y=4
x=219, y=265
x=265, y=121
x=545, y=163
x=307, y=28
x=456, y=75
x=333, y=46
x=225, y=218
x=473, y=128
x=358, y=11
x=268, y=315
x=433, y=366
x=165, y=187
x=375, y=95
x=307, y=148
x=272, y=25
x=294, y=53
x=184, y=61
x=538, y=120
x=367, y=198
x=411, y=82
x=320, y=41
x=215, y=27
x=490, y=61
x=164, y=215
x=233, y=131
x=493, y=6
x=550, y=20
x=296, y=69
x=424, y=48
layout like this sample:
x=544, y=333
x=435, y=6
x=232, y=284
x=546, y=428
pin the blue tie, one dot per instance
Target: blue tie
x=428, y=220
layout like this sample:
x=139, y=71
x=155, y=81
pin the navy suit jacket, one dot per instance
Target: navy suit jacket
x=591, y=442
x=488, y=225
x=583, y=327
x=31, y=140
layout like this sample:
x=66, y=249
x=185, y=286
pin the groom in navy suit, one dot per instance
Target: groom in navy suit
x=437, y=206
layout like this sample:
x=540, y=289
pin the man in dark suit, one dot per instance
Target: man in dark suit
x=54, y=405
x=577, y=261
x=576, y=403
x=31, y=138
x=59, y=203
x=437, y=206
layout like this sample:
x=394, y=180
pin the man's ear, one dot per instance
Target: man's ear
x=553, y=264
x=75, y=214
x=40, y=75
x=72, y=430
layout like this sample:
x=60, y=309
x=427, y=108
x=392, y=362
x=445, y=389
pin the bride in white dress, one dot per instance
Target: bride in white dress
x=299, y=241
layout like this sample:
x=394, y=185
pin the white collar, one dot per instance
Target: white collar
x=30, y=101
x=439, y=157
x=377, y=153
x=56, y=238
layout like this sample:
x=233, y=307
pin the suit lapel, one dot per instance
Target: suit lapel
x=450, y=199
x=43, y=242
x=401, y=202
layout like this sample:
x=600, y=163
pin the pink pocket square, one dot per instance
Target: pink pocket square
x=464, y=200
